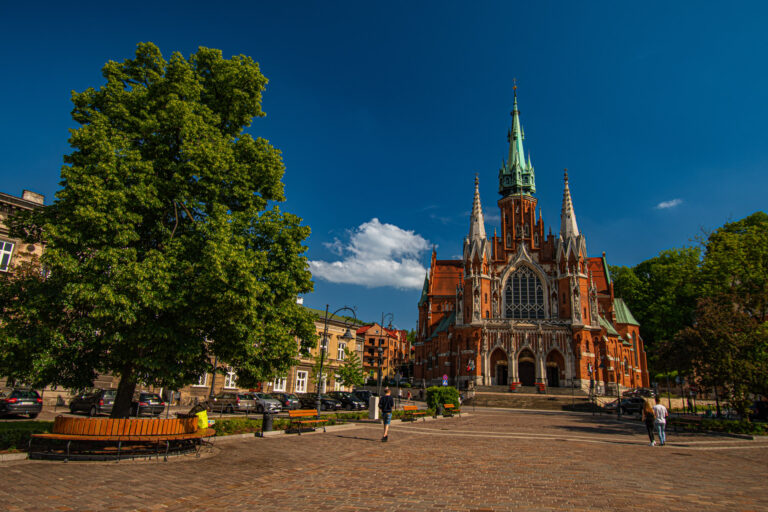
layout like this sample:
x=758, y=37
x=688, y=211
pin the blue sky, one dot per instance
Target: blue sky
x=385, y=111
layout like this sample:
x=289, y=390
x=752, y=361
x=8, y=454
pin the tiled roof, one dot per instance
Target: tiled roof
x=623, y=314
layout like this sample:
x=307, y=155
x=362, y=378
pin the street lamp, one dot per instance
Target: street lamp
x=391, y=318
x=324, y=343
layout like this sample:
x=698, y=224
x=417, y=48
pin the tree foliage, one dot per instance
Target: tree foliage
x=164, y=246
x=350, y=373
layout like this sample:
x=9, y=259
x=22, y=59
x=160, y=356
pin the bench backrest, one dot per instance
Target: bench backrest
x=449, y=406
x=302, y=413
x=410, y=408
x=123, y=427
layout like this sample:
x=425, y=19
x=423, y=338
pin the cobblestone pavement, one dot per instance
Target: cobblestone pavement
x=489, y=460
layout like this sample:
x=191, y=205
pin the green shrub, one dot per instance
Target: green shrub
x=440, y=395
x=15, y=435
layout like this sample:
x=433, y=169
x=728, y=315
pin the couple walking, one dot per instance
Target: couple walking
x=655, y=418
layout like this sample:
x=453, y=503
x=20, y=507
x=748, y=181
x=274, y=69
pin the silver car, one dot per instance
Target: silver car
x=266, y=402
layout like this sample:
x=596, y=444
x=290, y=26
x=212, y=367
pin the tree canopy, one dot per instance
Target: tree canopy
x=164, y=246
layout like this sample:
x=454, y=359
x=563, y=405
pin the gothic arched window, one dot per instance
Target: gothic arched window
x=524, y=295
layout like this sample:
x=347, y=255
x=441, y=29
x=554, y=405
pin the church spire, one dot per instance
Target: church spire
x=516, y=174
x=568, y=226
x=476, y=222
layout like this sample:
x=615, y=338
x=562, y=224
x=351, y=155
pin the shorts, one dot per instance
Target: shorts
x=386, y=417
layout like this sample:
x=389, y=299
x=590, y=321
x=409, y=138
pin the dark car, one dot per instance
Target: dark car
x=348, y=400
x=147, y=403
x=231, y=402
x=21, y=401
x=759, y=411
x=96, y=401
x=364, y=395
x=309, y=401
x=289, y=401
x=630, y=405
x=638, y=392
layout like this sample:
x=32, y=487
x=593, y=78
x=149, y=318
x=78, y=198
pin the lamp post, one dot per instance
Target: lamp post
x=381, y=342
x=324, y=342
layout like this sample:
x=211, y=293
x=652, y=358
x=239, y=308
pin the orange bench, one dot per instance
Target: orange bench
x=450, y=410
x=411, y=411
x=131, y=431
x=300, y=417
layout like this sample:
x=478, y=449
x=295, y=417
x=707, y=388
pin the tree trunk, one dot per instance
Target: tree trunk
x=124, y=398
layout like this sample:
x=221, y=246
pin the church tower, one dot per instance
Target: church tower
x=517, y=184
x=473, y=296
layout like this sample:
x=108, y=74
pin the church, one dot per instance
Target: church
x=525, y=308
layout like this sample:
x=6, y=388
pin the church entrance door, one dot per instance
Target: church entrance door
x=502, y=375
x=499, y=367
x=526, y=369
x=553, y=376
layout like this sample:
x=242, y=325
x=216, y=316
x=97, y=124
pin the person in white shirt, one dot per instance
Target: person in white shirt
x=660, y=413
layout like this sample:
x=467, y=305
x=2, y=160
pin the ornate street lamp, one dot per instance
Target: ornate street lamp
x=382, y=340
x=324, y=343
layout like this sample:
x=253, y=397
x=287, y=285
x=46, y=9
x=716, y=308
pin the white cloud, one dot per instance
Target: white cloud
x=668, y=204
x=377, y=255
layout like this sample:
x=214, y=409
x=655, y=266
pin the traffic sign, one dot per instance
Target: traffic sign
x=445, y=379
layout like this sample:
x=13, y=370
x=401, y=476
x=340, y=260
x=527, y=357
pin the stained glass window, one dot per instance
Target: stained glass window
x=524, y=295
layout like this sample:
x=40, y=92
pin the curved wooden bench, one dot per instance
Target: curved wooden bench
x=134, y=430
x=450, y=410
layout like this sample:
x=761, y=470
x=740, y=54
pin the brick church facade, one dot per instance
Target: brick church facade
x=525, y=308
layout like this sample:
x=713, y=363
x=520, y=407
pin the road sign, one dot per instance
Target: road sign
x=445, y=379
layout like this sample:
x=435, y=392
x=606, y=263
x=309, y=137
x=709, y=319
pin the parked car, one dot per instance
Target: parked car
x=759, y=411
x=348, y=400
x=288, y=401
x=631, y=405
x=309, y=401
x=364, y=395
x=147, y=403
x=94, y=402
x=266, y=402
x=639, y=392
x=21, y=401
x=231, y=402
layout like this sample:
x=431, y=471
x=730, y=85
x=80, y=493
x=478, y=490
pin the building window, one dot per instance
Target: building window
x=230, y=379
x=301, y=381
x=6, y=250
x=340, y=354
x=202, y=381
x=336, y=384
x=324, y=343
x=278, y=385
x=524, y=295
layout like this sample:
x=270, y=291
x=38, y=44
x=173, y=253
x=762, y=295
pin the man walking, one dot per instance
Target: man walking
x=386, y=404
x=660, y=420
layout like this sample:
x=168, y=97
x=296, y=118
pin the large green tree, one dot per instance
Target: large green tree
x=351, y=372
x=164, y=246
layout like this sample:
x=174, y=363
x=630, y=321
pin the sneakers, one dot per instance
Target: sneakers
x=384, y=439
x=652, y=443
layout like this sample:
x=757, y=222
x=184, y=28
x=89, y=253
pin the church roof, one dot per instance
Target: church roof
x=516, y=175
x=424, y=291
x=446, y=274
x=608, y=326
x=623, y=314
x=446, y=322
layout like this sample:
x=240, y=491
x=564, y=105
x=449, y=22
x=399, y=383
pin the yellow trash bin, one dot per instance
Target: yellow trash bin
x=202, y=420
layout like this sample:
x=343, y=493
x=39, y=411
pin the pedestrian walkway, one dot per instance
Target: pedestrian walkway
x=489, y=460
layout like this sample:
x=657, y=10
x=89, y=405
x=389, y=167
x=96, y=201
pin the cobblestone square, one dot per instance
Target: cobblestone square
x=483, y=461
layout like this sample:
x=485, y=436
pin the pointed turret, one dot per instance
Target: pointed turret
x=568, y=226
x=516, y=175
x=477, y=223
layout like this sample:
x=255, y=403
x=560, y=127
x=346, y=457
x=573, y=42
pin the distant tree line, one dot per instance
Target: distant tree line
x=703, y=310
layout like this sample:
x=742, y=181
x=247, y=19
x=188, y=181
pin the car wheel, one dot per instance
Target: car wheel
x=230, y=410
x=33, y=415
x=92, y=412
x=259, y=408
x=72, y=410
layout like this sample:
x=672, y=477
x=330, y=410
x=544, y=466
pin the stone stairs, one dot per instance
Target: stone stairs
x=556, y=399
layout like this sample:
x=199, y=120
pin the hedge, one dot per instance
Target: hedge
x=15, y=435
x=440, y=395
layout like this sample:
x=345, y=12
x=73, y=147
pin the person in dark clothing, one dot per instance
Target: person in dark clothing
x=386, y=404
x=649, y=418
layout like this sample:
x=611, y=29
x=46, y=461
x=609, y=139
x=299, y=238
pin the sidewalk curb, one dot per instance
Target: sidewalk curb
x=6, y=457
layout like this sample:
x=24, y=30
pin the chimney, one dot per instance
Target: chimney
x=33, y=197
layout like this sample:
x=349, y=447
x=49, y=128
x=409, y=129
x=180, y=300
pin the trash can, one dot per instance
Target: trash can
x=439, y=410
x=266, y=422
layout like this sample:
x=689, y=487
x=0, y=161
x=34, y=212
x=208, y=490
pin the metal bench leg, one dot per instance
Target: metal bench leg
x=119, y=446
x=167, y=447
x=68, y=443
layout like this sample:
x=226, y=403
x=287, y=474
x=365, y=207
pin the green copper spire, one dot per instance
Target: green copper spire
x=516, y=176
